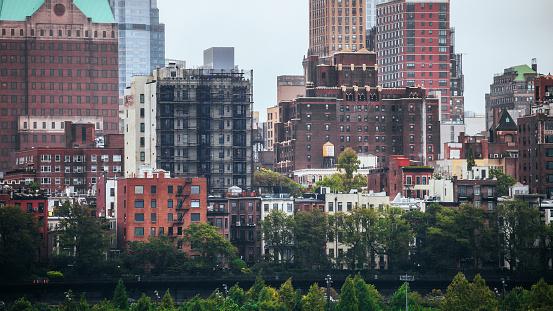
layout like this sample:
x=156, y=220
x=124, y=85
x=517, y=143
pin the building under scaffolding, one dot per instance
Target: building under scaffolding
x=204, y=125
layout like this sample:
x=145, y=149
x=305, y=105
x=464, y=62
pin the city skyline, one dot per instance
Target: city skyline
x=272, y=45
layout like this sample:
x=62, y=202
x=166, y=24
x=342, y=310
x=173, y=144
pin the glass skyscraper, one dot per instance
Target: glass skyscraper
x=371, y=12
x=141, y=39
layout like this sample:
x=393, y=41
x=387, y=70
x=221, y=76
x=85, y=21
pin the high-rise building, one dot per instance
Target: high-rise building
x=202, y=128
x=141, y=39
x=513, y=90
x=413, y=46
x=371, y=12
x=58, y=63
x=335, y=25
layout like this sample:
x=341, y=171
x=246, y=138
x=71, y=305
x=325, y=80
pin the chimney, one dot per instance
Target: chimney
x=535, y=65
x=495, y=117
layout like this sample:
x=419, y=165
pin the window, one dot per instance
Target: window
x=153, y=204
x=138, y=231
x=138, y=203
x=169, y=203
x=195, y=189
x=170, y=189
x=195, y=204
x=138, y=189
x=153, y=189
x=139, y=217
x=195, y=217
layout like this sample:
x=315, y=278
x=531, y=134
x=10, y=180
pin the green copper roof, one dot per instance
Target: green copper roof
x=521, y=70
x=18, y=10
x=98, y=10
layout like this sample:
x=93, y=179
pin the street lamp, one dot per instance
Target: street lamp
x=406, y=278
x=226, y=290
x=157, y=296
x=68, y=297
x=328, y=283
x=503, y=284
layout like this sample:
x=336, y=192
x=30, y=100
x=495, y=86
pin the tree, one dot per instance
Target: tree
x=255, y=290
x=208, y=243
x=514, y=300
x=540, y=296
x=348, y=298
x=310, y=232
x=365, y=300
x=348, y=161
x=86, y=234
x=83, y=305
x=470, y=159
x=315, y=300
x=159, y=254
x=120, y=298
x=518, y=228
x=504, y=181
x=334, y=182
x=167, y=302
x=287, y=295
x=394, y=235
x=19, y=241
x=267, y=178
x=278, y=230
x=462, y=295
x=143, y=304
x=398, y=299
x=237, y=295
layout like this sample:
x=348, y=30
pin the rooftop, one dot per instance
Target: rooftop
x=14, y=10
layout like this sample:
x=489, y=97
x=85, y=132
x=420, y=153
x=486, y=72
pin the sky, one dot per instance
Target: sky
x=271, y=37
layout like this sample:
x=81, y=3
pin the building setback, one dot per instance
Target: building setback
x=345, y=108
x=156, y=204
x=59, y=63
x=413, y=48
x=75, y=167
x=512, y=90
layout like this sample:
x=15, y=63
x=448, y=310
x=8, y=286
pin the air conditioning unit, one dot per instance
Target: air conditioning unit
x=35, y=209
x=547, y=94
x=238, y=223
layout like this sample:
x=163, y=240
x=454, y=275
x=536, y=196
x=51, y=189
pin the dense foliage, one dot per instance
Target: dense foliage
x=267, y=178
x=355, y=295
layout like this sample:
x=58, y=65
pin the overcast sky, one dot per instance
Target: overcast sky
x=271, y=37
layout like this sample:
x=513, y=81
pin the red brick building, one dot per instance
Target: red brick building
x=479, y=192
x=543, y=88
x=76, y=166
x=345, y=107
x=413, y=47
x=156, y=204
x=59, y=62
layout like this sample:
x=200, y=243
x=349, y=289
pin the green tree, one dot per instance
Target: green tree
x=258, y=285
x=365, y=300
x=19, y=241
x=394, y=235
x=143, y=304
x=514, y=300
x=167, y=302
x=504, y=181
x=314, y=300
x=540, y=297
x=83, y=305
x=159, y=254
x=237, y=295
x=518, y=228
x=470, y=159
x=209, y=244
x=21, y=304
x=398, y=299
x=287, y=295
x=267, y=178
x=310, y=232
x=348, y=298
x=120, y=298
x=348, y=161
x=277, y=230
x=462, y=295
x=334, y=182
x=86, y=234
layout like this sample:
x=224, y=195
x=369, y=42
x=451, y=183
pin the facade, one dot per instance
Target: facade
x=76, y=167
x=277, y=202
x=203, y=125
x=245, y=213
x=140, y=124
x=156, y=204
x=36, y=204
x=272, y=118
x=414, y=48
x=512, y=90
x=479, y=192
x=59, y=62
x=141, y=39
x=335, y=26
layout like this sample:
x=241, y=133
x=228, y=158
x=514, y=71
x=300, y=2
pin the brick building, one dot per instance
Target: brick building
x=245, y=213
x=479, y=192
x=77, y=166
x=414, y=48
x=155, y=204
x=59, y=62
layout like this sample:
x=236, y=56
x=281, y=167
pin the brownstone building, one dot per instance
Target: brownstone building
x=245, y=213
x=345, y=107
x=76, y=166
x=59, y=62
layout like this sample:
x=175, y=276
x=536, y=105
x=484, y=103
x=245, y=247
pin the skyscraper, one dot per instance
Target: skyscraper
x=58, y=63
x=141, y=39
x=413, y=46
x=371, y=12
x=335, y=25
